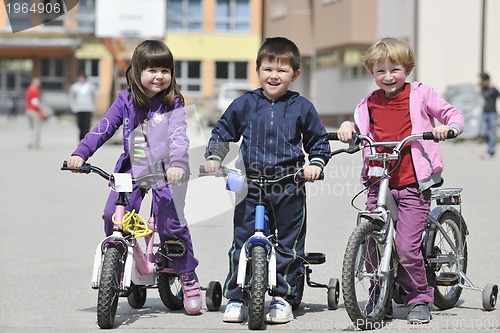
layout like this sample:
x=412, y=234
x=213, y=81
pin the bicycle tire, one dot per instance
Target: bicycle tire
x=356, y=280
x=170, y=290
x=137, y=296
x=109, y=288
x=439, y=275
x=258, y=287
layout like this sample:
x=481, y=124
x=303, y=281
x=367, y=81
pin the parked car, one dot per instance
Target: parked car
x=226, y=93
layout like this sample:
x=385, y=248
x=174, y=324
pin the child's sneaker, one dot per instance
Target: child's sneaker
x=234, y=312
x=280, y=311
x=192, y=294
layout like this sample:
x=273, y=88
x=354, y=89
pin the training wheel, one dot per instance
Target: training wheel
x=333, y=294
x=490, y=293
x=213, y=296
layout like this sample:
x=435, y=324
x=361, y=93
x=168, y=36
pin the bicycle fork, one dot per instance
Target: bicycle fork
x=259, y=238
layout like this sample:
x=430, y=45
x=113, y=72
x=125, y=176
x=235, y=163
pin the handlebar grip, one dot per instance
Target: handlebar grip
x=85, y=168
x=429, y=136
x=201, y=169
x=332, y=136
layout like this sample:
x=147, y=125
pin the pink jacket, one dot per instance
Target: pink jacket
x=426, y=106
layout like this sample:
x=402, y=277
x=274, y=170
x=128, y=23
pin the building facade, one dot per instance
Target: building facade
x=333, y=34
x=213, y=41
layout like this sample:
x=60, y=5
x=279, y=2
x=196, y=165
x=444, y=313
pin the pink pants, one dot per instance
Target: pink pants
x=413, y=209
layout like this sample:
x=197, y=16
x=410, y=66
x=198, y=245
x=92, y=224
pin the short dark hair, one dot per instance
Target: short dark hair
x=279, y=49
x=484, y=76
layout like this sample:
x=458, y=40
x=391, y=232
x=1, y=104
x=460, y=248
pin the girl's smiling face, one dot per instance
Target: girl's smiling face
x=155, y=79
x=389, y=77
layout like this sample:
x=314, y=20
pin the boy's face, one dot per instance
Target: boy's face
x=275, y=78
x=389, y=77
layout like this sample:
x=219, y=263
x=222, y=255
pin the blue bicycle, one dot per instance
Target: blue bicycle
x=257, y=264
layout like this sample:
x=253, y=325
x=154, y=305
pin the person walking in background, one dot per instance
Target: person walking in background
x=13, y=105
x=34, y=113
x=490, y=115
x=152, y=94
x=82, y=103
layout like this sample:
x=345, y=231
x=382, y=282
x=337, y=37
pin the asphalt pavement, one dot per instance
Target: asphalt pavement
x=52, y=225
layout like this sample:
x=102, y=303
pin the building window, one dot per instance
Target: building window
x=232, y=16
x=184, y=15
x=53, y=77
x=86, y=15
x=188, y=77
x=90, y=67
x=352, y=64
x=233, y=71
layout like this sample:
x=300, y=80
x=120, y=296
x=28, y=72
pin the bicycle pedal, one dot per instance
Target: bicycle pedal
x=315, y=258
x=447, y=279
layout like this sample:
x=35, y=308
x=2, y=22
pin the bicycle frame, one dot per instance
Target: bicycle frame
x=260, y=236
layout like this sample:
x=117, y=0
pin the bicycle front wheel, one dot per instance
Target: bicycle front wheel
x=444, y=262
x=258, y=287
x=366, y=292
x=109, y=288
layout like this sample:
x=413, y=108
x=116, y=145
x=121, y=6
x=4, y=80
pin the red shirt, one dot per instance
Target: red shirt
x=390, y=118
x=32, y=93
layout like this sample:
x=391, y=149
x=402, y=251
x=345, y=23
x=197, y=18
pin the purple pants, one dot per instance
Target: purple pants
x=170, y=220
x=413, y=209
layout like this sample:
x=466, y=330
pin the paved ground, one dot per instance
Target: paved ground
x=51, y=226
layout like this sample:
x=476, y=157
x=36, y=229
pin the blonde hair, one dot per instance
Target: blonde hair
x=396, y=50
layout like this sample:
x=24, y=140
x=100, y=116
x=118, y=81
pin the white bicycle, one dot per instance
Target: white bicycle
x=370, y=260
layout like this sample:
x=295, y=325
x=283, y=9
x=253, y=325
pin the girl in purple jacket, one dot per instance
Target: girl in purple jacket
x=394, y=111
x=152, y=95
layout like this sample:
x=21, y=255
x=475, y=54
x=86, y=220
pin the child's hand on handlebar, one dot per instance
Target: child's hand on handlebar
x=441, y=132
x=75, y=161
x=211, y=166
x=174, y=175
x=312, y=173
x=345, y=132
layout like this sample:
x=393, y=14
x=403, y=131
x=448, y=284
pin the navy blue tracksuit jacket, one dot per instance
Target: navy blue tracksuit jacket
x=275, y=135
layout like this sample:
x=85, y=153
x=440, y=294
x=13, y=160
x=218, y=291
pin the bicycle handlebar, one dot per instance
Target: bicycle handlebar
x=223, y=172
x=88, y=168
x=354, y=145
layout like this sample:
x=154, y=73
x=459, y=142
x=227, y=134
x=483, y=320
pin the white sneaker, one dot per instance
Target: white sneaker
x=233, y=312
x=280, y=311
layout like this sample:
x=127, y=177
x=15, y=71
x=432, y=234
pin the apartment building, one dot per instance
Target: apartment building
x=213, y=41
x=454, y=41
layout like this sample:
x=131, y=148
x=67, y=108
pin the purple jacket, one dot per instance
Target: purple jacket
x=426, y=106
x=123, y=112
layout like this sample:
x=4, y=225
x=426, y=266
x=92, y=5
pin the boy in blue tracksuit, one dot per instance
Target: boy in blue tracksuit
x=276, y=126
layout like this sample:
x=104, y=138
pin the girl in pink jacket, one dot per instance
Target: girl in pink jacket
x=391, y=113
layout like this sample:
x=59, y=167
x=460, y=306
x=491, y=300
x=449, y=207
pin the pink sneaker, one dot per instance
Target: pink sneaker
x=192, y=293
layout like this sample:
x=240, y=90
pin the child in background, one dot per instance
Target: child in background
x=152, y=91
x=275, y=124
x=394, y=111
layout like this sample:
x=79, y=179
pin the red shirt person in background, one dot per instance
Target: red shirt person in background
x=34, y=113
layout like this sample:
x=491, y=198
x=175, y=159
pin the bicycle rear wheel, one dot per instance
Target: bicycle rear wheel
x=258, y=287
x=366, y=293
x=109, y=288
x=443, y=264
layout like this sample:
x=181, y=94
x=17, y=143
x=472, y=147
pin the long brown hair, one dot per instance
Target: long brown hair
x=148, y=54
